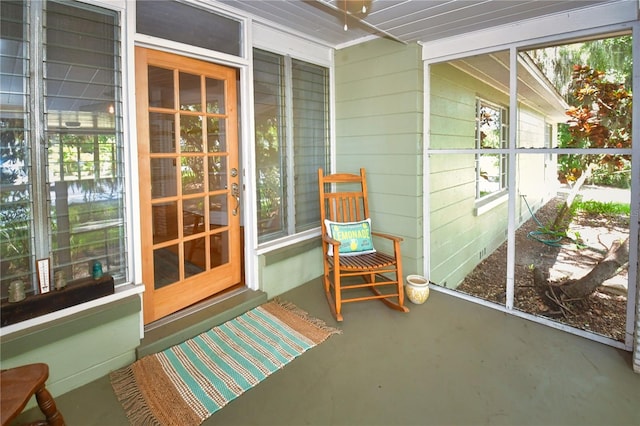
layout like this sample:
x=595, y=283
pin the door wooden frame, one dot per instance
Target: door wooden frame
x=161, y=302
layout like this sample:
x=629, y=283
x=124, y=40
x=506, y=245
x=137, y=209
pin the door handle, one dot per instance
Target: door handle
x=235, y=191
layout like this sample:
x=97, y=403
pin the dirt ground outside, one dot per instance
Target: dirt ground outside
x=603, y=312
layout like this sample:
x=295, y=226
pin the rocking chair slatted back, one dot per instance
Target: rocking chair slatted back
x=343, y=198
x=346, y=207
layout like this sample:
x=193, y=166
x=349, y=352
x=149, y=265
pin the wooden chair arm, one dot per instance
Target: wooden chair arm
x=329, y=240
x=387, y=236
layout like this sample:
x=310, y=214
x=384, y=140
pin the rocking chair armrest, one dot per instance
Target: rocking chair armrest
x=329, y=240
x=387, y=236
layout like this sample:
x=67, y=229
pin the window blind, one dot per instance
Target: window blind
x=84, y=140
x=16, y=186
x=290, y=95
x=270, y=139
x=311, y=138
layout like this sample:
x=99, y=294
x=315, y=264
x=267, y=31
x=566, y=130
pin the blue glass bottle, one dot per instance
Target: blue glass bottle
x=97, y=270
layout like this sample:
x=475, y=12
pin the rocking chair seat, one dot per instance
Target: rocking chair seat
x=364, y=262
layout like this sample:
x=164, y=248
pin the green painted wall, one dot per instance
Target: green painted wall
x=379, y=109
x=80, y=348
x=460, y=238
x=287, y=268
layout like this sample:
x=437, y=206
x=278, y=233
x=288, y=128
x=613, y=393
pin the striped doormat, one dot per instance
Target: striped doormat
x=185, y=384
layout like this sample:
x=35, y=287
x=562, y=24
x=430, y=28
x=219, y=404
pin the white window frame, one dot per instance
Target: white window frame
x=267, y=38
x=133, y=286
x=288, y=155
x=485, y=203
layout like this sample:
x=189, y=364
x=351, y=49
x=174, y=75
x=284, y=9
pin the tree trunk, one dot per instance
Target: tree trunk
x=572, y=194
x=616, y=257
x=558, y=296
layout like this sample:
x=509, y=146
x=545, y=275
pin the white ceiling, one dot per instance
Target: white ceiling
x=405, y=20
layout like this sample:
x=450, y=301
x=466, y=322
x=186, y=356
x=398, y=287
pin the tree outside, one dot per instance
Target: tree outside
x=595, y=79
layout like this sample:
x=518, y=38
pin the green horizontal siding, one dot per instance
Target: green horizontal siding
x=81, y=347
x=379, y=121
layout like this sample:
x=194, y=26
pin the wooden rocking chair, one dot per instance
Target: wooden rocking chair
x=344, y=210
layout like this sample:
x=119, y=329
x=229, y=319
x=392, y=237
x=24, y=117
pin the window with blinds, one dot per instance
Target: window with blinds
x=73, y=212
x=311, y=138
x=292, y=142
x=17, y=258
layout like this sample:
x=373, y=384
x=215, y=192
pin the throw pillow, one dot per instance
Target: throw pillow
x=355, y=237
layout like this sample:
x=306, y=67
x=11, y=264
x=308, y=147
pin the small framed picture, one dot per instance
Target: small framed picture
x=44, y=274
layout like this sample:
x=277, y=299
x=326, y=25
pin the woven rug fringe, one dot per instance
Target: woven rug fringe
x=304, y=315
x=125, y=386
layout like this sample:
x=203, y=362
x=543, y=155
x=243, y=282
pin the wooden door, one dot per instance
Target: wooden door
x=189, y=180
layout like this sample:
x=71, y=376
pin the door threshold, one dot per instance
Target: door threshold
x=196, y=319
x=193, y=309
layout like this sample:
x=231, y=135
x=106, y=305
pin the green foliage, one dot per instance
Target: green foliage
x=595, y=79
x=599, y=208
x=600, y=117
x=613, y=55
x=268, y=165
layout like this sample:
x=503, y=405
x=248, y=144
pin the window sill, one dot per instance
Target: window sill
x=486, y=204
x=119, y=293
x=289, y=241
x=289, y=251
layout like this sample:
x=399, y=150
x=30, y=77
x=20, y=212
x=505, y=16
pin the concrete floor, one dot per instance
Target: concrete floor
x=447, y=362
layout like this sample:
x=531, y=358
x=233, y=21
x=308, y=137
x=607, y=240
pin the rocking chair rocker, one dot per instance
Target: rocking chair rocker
x=347, y=247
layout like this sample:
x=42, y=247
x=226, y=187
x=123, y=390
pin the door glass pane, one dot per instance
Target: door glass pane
x=217, y=173
x=215, y=96
x=218, y=211
x=219, y=249
x=194, y=259
x=216, y=135
x=190, y=96
x=163, y=178
x=193, y=216
x=192, y=175
x=161, y=133
x=160, y=87
x=165, y=222
x=166, y=267
x=191, y=133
